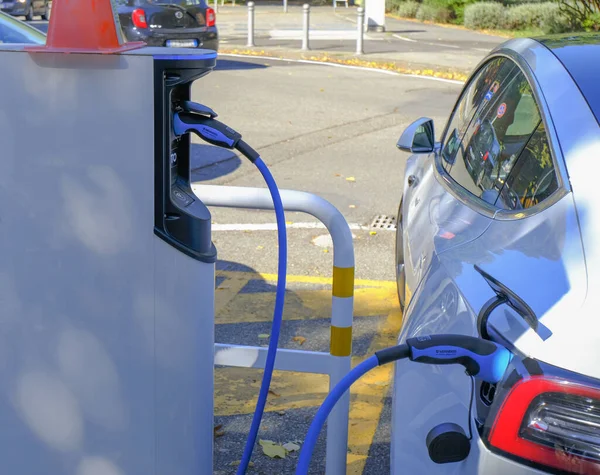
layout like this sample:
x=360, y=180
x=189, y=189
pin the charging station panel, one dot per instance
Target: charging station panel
x=107, y=328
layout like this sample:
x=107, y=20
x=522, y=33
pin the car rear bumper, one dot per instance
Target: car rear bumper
x=206, y=38
x=15, y=9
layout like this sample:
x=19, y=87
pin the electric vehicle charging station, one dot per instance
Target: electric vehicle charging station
x=108, y=269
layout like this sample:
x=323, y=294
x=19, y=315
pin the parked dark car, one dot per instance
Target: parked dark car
x=16, y=31
x=27, y=8
x=172, y=23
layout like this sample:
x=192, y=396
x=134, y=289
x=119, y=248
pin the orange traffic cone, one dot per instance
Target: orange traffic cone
x=85, y=26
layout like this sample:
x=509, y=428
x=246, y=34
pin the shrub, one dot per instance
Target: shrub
x=592, y=22
x=485, y=15
x=530, y=15
x=433, y=13
x=557, y=23
x=408, y=9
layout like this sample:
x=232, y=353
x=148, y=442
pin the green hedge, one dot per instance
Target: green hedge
x=531, y=16
x=408, y=9
x=434, y=13
x=485, y=16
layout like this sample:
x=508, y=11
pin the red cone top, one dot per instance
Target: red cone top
x=85, y=26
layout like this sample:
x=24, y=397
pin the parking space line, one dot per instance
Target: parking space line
x=370, y=391
x=300, y=305
x=305, y=279
x=228, y=289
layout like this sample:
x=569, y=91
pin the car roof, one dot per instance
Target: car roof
x=579, y=55
x=33, y=35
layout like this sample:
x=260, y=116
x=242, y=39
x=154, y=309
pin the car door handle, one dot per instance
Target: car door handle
x=413, y=180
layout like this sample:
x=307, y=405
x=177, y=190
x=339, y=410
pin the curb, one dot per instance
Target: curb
x=351, y=60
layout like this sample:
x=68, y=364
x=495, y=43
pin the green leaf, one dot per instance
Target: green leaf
x=271, y=449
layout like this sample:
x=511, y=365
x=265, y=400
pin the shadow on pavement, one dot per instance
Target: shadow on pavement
x=232, y=65
x=209, y=162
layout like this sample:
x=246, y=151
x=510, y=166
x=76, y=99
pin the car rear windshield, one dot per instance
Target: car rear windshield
x=579, y=54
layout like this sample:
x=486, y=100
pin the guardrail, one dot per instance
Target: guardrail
x=337, y=362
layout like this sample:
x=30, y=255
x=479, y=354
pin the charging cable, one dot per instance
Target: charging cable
x=200, y=120
x=482, y=358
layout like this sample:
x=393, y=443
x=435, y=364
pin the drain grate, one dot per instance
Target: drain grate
x=384, y=222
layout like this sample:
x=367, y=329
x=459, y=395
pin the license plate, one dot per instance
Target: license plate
x=182, y=43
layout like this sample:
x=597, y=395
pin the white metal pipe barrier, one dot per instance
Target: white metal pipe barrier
x=337, y=362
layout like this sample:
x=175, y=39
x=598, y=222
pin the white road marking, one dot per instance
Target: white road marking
x=345, y=66
x=273, y=226
x=403, y=38
x=318, y=35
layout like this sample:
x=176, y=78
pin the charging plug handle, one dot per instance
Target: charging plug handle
x=482, y=358
x=209, y=130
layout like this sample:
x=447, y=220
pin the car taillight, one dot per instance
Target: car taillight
x=211, y=18
x=551, y=422
x=138, y=16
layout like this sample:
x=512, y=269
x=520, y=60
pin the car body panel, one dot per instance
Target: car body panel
x=167, y=21
x=16, y=31
x=545, y=254
x=17, y=8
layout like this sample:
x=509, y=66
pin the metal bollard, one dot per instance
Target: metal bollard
x=285, y=6
x=250, y=24
x=216, y=6
x=306, y=11
x=360, y=30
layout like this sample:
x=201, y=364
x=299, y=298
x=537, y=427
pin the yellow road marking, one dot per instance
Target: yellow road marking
x=299, y=279
x=368, y=395
x=302, y=305
x=227, y=290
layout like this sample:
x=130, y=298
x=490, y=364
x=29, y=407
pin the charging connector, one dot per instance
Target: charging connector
x=484, y=359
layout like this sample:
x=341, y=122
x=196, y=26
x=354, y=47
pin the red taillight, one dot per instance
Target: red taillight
x=550, y=422
x=138, y=16
x=211, y=18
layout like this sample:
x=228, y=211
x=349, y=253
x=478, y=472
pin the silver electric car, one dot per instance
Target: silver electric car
x=499, y=237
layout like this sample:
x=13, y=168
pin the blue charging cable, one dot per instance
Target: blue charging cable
x=482, y=358
x=200, y=120
x=277, y=316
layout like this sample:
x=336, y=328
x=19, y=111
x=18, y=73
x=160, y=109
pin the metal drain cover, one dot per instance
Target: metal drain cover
x=384, y=222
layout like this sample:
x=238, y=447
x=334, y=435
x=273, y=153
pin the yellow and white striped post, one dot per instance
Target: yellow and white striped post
x=337, y=363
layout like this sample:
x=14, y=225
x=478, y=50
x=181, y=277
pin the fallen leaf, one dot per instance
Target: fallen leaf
x=352, y=206
x=273, y=393
x=350, y=178
x=289, y=222
x=299, y=339
x=372, y=233
x=236, y=463
x=271, y=449
x=219, y=433
x=218, y=427
x=322, y=90
x=281, y=413
x=263, y=335
x=337, y=174
x=291, y=447
x=325, y=251
x=259, y=247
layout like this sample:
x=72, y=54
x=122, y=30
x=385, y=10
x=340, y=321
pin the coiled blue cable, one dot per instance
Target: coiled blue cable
x=327, y=406
x=277, y=315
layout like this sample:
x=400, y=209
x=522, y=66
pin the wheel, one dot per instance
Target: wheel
x=29, y=14
x=47, y=11
x=400, y=276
